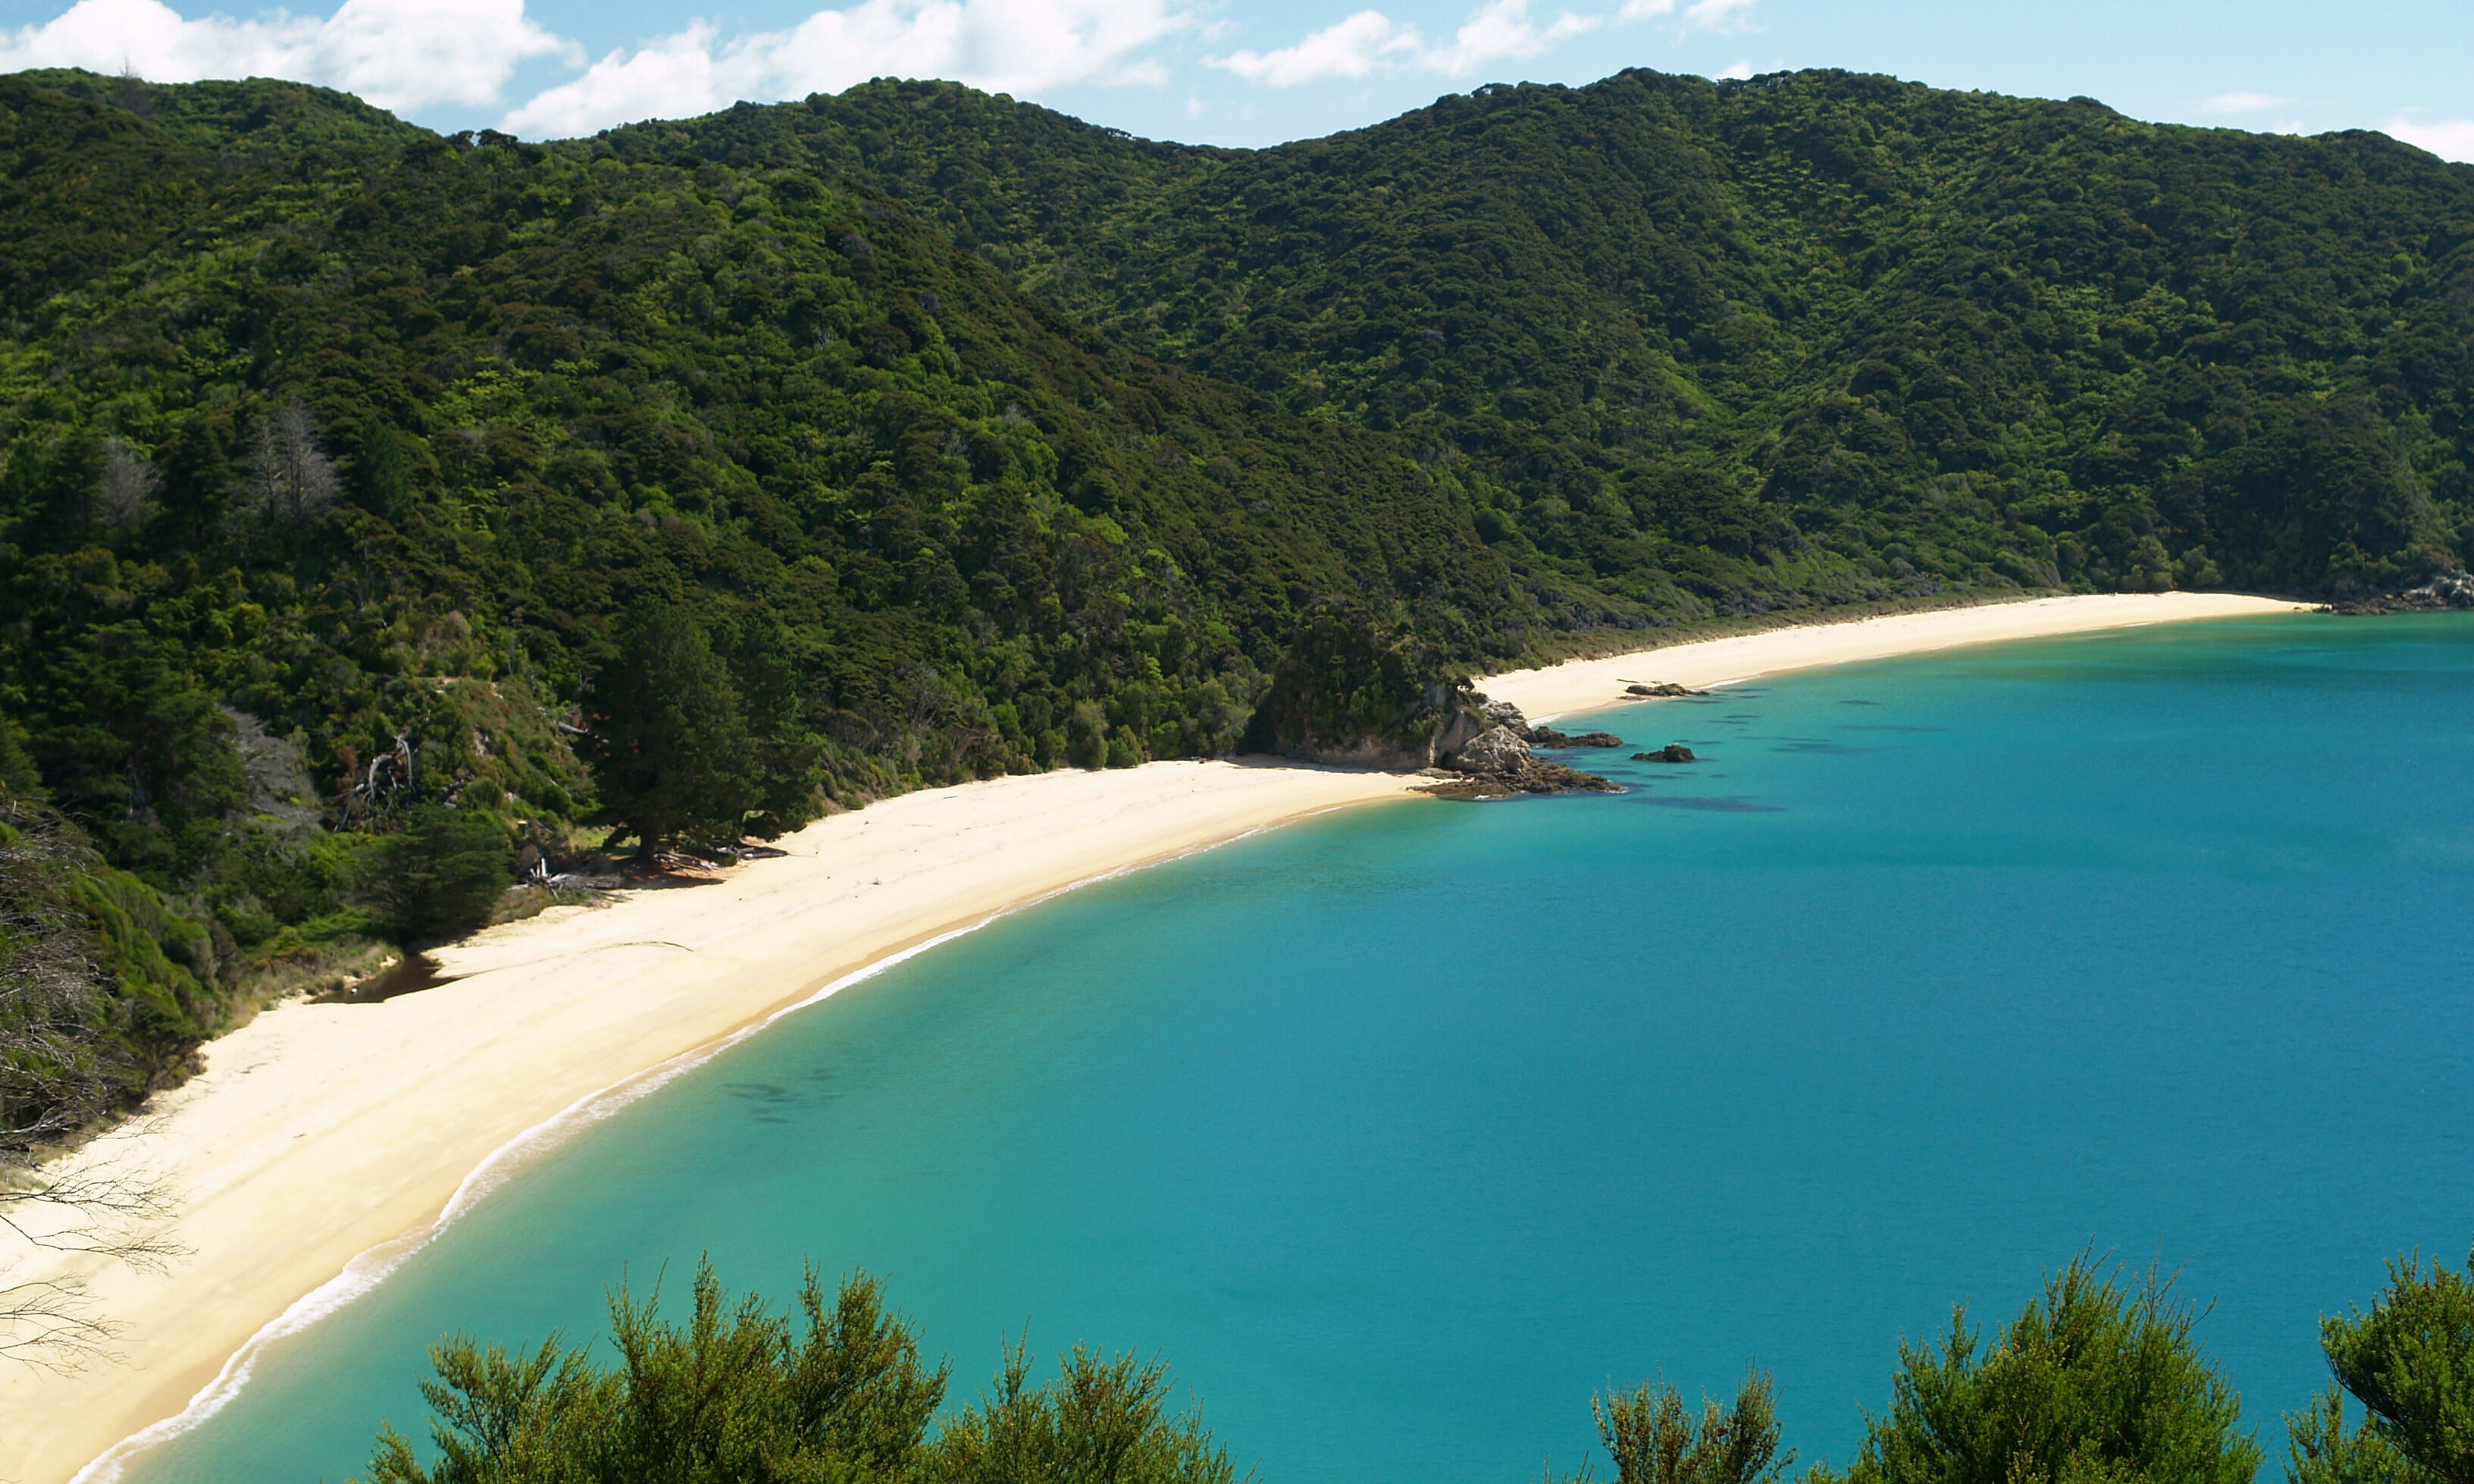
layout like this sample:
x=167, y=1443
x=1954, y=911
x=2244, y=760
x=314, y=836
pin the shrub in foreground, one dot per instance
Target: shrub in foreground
x=2094, y=1381
x=2410, y=1364
x=739, y=1395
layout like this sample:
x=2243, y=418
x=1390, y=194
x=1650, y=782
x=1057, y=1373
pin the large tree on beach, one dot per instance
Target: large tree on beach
x=668, y=736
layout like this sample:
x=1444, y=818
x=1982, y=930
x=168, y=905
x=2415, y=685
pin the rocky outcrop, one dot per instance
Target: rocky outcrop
x=1672, y=752
x=1501, y=713
x=2448, y=589
x=1498, y=764
x=1660, y=687
x=1536, y=776
x=1497, y=751
x=1457, y=730
x=1548, y=737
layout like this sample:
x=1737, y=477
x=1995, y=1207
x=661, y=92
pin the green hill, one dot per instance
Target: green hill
x=363, y=491
x=1808, y=336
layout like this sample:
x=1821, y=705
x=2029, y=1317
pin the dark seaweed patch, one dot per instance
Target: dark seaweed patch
x=1728, y=805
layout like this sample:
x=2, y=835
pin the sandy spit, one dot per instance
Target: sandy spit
x=325, y=1141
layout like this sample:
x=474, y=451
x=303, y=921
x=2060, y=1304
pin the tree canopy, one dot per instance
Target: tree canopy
x=739, y=1395
x=2094, y=1380
x=2409, y=1364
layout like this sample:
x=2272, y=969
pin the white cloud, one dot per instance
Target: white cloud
x=1705, y=14
x=398, y=54
x=1714, y=14
x=1502, y=29
x=1738, y=72
x=1016, y=47
x=1371, y=41
x=2451, y=140
x=2240, y=102
x=1350, y=48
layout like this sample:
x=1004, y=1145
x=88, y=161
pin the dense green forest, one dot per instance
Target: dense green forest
x=354, y=476
x=383, y=513
x=2096, y=1381
x=1804, y=338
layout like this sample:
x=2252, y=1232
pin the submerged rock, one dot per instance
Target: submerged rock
x=1672, y=752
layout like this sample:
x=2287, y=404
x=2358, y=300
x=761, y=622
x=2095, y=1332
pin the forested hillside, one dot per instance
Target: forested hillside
x=1752, y=344
x=380, y=510
x=352, y=474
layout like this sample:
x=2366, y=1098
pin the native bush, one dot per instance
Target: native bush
x=740, y=1395
x=2094, y=1380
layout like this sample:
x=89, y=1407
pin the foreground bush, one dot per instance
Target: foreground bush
x=2410, y=1364
x=1654, y=1440
x=2094, y=1381
x=741, y=1395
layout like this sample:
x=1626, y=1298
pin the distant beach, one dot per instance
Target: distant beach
x=322, y=1140
x=1587, y=685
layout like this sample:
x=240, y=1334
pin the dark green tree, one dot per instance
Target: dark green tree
x=667, y=739
x=1103, y=1420
x=1653, y=1438
x=2094, y=1381
x=439, y=877
x=785, y=751
x=2410, y=1364
x=739, y=1395
x=1353, y=682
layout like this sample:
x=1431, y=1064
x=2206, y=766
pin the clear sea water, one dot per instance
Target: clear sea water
x=1399, y=1131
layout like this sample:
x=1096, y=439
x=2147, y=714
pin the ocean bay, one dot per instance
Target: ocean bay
x=1398, y=1132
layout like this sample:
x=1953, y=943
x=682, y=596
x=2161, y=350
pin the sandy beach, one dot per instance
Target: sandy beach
x=1587, y=685
x=324, y=1141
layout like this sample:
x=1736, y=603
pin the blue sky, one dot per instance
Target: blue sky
x=1256, y=73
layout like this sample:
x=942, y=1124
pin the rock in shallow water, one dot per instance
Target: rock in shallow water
x=1672, y=752
x=1499, y=763
x=1548, y=737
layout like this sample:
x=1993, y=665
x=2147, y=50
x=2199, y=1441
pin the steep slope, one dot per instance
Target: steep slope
x=326, y=437
x=1806, y=335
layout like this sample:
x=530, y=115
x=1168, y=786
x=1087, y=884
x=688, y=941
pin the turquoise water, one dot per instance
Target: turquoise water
x=1400, y=1131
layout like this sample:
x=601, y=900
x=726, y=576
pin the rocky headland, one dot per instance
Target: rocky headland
x=2448, y=589
x=1486, y=751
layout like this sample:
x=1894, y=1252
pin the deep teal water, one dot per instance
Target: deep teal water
x=1398, y=1132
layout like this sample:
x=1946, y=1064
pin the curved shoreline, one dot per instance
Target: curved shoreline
x=323, y=1144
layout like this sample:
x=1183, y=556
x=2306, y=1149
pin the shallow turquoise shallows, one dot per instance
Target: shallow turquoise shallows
x=1400, y=1131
